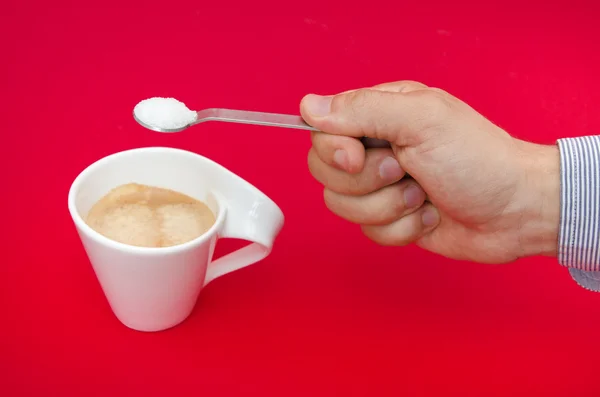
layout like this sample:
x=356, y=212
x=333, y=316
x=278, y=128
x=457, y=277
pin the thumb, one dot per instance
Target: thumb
x=396, y=117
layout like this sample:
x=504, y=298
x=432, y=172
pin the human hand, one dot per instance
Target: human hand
x=474, y=192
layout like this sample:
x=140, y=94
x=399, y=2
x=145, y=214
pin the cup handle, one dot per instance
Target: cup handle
x=258, y=221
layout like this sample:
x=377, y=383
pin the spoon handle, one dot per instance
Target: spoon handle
x=250, y=117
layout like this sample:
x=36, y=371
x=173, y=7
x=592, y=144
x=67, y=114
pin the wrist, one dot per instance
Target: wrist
x=539, y=226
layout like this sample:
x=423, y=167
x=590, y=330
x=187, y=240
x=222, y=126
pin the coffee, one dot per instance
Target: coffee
x=148, y=216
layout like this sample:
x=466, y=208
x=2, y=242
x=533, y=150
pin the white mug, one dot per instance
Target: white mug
x=152, y=289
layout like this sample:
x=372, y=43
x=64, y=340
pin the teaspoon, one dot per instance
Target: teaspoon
x=238, y=116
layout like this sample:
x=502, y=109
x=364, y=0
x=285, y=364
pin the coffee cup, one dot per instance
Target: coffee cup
x=156, y=288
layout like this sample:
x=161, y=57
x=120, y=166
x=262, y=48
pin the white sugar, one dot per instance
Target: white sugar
x=164, y=113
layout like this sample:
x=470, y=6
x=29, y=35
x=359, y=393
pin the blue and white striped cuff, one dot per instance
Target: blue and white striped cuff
x=579, y=232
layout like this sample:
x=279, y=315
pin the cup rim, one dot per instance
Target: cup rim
x=101, y=239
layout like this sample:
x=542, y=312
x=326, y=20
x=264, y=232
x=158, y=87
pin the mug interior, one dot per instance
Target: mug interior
x=174, y=169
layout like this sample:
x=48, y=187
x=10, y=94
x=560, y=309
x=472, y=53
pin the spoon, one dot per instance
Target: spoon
x=239, y=116
x=244, y=117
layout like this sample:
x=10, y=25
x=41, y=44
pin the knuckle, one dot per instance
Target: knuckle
x=318, y=141
x=362, y=110
x=335, y=203
x=320, y=144
x=362, y=98
x=366, y=182
x=411, y=82
x=362, y=105
x=408, y=85
x=355, y=185
x=313, y=164
x=331, y=143
x=330, y=201
x=401, y=240
x=391, y=235
x=363, y=183
x=326, y=146
x=375, y=234
x=439, y=91
x=435, y=103
x=337, y=181
x=396, y=203
x=309, y=156
x=439, y=103
x=390, y=206
x=340, y=103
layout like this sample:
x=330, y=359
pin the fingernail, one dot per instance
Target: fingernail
x=413, y=196
x=390, y=170
x=430, y=217
x=317, y=105
x=340, y=157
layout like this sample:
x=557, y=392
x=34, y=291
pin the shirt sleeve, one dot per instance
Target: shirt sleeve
x=579, y=233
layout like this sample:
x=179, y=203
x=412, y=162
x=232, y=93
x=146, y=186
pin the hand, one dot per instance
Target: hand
x=474, y=192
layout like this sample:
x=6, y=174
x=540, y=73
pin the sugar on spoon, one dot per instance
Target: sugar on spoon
x=170, y=115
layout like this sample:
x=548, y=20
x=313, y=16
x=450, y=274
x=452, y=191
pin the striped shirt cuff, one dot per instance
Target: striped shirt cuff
x=579, y=233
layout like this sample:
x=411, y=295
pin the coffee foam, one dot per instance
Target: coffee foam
x=148, y=216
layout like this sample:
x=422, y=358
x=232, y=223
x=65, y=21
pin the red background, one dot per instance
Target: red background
x=329, y=312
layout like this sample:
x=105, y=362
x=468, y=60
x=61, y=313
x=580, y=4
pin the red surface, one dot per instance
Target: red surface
x=328, y=313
